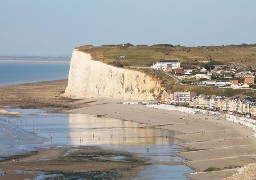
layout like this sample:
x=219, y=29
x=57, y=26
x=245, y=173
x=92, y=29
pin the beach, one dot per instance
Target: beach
x=209, y=141
x=213, y=147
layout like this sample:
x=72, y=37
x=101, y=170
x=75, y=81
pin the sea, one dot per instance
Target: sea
x=40, y=129
x=20, y=71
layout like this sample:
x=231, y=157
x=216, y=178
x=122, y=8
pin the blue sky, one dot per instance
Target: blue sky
x=55, y=27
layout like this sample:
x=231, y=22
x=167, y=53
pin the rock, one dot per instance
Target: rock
x=89, y=78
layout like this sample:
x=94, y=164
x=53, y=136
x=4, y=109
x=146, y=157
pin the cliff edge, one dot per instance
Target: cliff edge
x=89, y=78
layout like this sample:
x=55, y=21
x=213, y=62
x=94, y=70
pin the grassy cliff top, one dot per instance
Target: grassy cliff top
x=143, y=55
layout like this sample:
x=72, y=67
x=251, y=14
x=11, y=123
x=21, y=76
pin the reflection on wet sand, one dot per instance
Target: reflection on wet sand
x=158, y=145
x=91, y=130
x=83, y=129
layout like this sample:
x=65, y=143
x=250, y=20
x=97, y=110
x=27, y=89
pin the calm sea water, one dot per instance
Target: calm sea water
x=17, y=72
x=60, y=130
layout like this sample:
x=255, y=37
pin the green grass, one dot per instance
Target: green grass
x=214, y=90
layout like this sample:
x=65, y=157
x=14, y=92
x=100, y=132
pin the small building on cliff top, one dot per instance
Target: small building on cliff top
x=166, y=65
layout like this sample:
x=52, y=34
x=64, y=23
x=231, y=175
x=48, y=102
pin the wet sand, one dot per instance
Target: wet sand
x=210, y=141
x=42, y=95
x=71, y=163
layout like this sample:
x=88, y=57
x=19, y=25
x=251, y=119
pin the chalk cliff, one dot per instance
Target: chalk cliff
x=89, y=78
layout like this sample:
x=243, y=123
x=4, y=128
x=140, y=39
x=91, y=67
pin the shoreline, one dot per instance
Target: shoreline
x=31, y=83
x=210, y=141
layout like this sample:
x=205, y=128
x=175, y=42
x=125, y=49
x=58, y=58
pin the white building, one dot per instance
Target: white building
x=188, y=71
x=203, y=70
x=182, y=96
x=222, y=83
x=166, y=65
x=209, y=83
x=201, y=101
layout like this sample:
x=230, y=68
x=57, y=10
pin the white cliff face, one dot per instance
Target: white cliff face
x=89, y=78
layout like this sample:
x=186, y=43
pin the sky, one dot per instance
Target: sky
x=55, y=27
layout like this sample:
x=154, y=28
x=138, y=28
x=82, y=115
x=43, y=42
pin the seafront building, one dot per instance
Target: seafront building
x=178, y=97
x=239, y=105
x=182, y=96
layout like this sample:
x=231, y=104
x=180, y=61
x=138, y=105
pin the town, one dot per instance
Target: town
x=208, y=73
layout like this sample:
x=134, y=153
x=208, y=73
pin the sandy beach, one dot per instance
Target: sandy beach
x=211, y=143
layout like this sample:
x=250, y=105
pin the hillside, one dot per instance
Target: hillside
x=143, y=55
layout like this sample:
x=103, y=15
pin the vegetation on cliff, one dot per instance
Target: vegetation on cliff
x=143, y=56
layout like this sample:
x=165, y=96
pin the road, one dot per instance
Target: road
x=178, y=80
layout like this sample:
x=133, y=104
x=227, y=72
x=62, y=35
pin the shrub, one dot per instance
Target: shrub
x=212, y=169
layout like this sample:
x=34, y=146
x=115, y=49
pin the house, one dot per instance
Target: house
x=222, y=83
x=234, y=83
x=202, y=101
x=228, y=74
x=212, y=103
x=231, y=105
x=209, y=83
x=165, y=97
x=188, y=71
x=253, y=109
x=182, y=96
x=239, y=105
x=203, y=70
x=221, y=103
x=249, y=80
x=178, y=71
x=246, y=107
x=166, y=65
x=245, y=85
x=205, y=62
x=243, y=74
x=201, y=75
